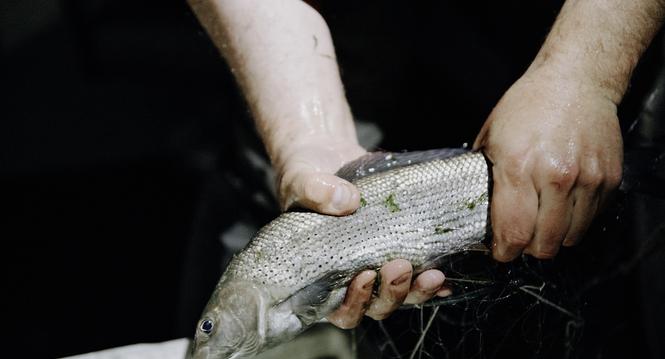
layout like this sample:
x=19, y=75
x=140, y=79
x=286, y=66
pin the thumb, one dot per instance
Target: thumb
x=321, y=192
x=481, y=139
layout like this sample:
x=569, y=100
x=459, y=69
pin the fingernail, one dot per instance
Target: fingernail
x=431, y=288
x=341, y=196
x=444, y=292
x=401, y=279
x=569, y=242
x=370, y=283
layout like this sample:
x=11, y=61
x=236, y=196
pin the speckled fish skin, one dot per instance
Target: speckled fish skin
x=296, y=269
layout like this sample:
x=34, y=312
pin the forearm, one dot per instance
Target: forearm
x=282, y=56
x=599, y=42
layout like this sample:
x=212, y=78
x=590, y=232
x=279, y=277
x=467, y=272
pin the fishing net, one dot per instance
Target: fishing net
x=529, y=308
x=525, y=309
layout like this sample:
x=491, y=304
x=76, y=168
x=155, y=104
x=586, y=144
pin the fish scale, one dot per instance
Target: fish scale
x=417, y=212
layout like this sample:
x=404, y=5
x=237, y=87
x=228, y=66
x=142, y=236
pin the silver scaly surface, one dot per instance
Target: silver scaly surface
x=415, y=213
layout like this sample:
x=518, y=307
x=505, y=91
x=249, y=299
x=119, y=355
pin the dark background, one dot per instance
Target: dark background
x=120, y=133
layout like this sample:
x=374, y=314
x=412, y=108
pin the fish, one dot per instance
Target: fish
x=420, y=206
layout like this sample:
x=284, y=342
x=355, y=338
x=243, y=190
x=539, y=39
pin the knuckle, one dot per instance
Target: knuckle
x=562, y=176
x=381, y=309
x=545, y=252
x=346, y=323
x=357, y=286
x=591, y=179
x=412, y=298
x=285, y=181
x=614, y=177
x=516, y=239
x=397, y=295
x=503, y=258
x=378, y=315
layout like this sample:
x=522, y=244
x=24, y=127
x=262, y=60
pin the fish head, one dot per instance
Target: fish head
x=232, y=324
x=229, y=325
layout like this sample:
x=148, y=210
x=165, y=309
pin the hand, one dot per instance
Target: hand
x=306, y=178
x=556, y=151
x=306, y=175
x=395, y=289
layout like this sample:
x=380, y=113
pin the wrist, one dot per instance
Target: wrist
x=578, y=73
x=282, y=153
x=288, y=142
x=308, y=123
x=598, y=43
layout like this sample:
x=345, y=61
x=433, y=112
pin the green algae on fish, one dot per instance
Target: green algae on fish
x=391, y=204
x=471, y=205
x=442, y=230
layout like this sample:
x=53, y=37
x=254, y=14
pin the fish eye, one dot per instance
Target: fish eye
x=206, y=326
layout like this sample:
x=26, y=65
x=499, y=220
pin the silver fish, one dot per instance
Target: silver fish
x=419, y=206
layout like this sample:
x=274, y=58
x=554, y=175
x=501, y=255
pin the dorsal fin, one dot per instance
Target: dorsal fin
x=377, y=162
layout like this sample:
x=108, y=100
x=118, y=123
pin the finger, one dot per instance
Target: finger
x=481, y=139
x=444, y=292
x=586, y=196
x=586, y=199
x=323, y=193
x=514, y=207
x=610, y=183
x=584, y=209
x=395, y=284
x=554, y=218
x=425, y=286
x=351, y=312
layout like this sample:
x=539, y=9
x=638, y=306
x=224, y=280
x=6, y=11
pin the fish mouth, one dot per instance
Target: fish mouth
x=208, y=353
x=193, y=353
